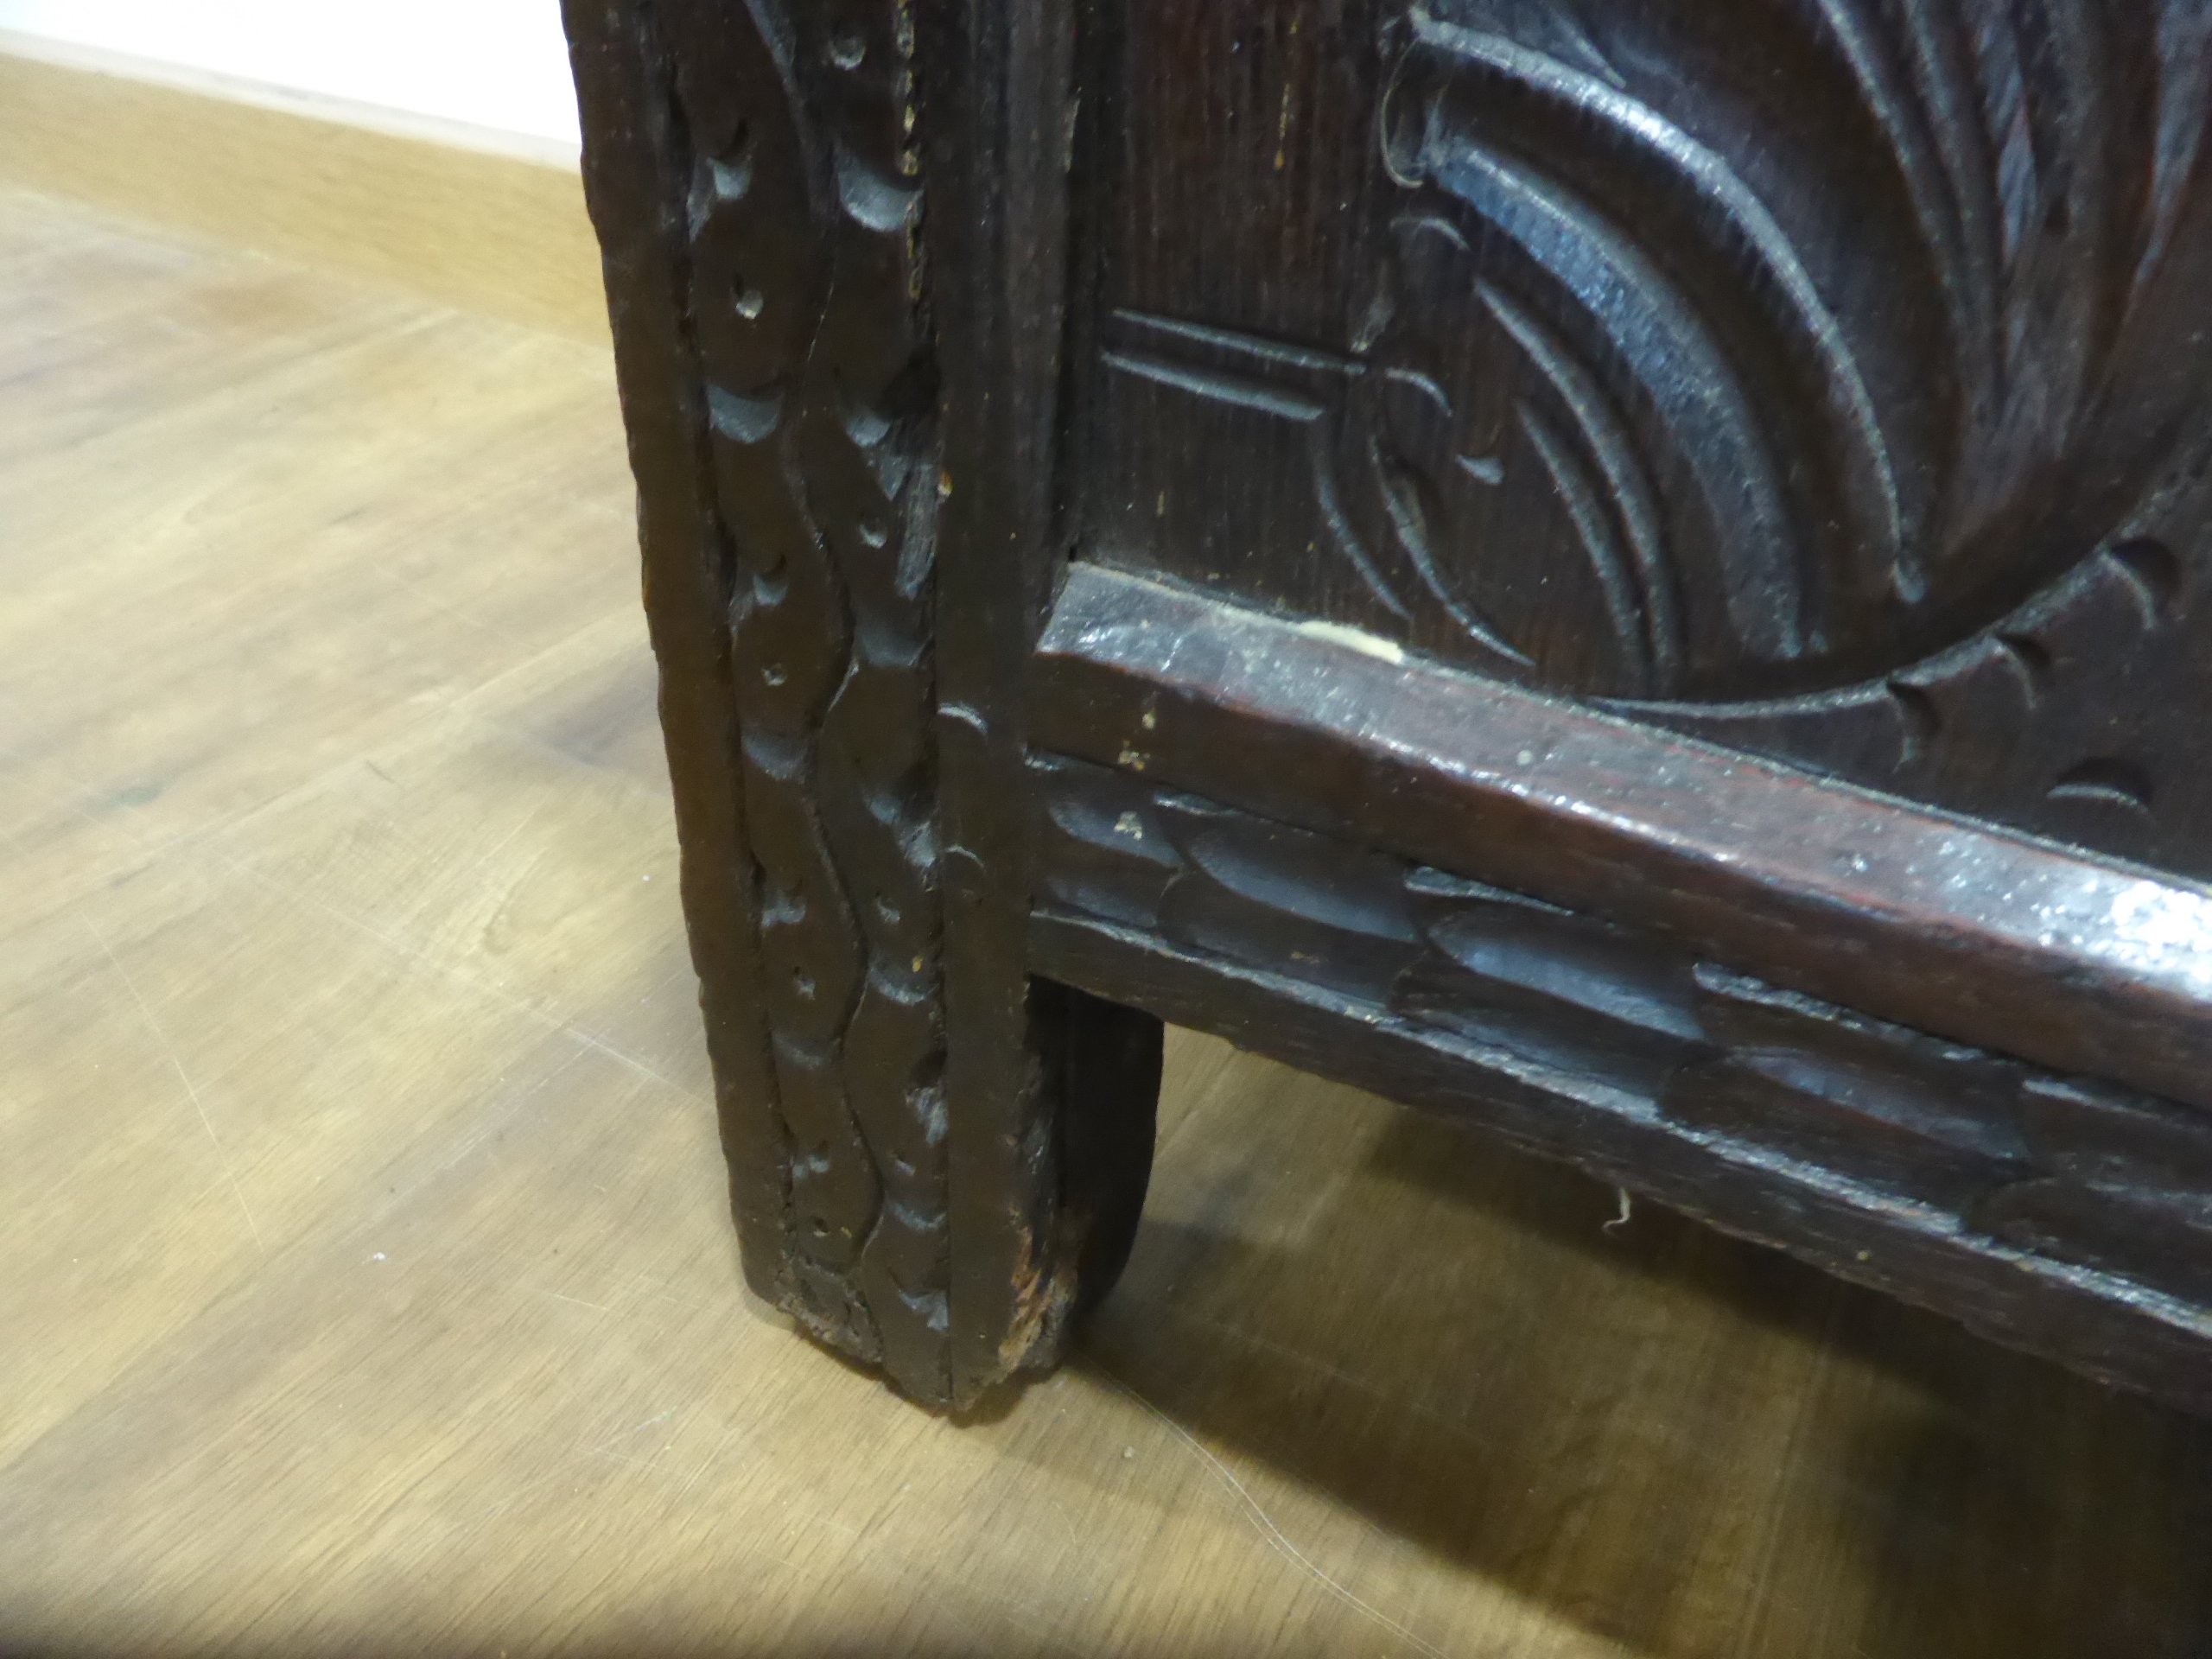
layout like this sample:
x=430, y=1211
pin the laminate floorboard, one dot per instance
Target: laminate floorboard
x=365, y=1280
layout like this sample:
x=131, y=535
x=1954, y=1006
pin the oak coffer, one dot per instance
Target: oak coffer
x=1637, y=572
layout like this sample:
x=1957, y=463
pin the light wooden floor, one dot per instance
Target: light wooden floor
x=364, y=1280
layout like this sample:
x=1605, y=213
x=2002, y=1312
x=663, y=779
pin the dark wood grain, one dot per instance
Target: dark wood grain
x=994, y=79
x=633, y=184
x=2052, y=1213
x=1828, y=377
x=1989, y=937
x=756, y=175
x=1639, y=562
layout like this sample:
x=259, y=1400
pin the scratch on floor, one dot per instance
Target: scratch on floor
x=558, y=1297
x=1265, y=1522
x=155, y=848
x=468, y=870
x=420, y=591
x=183, y=1077
x=559, y=1470
x=1382, y=1397
x=493, y=1128
x=729, y=1433
x=659, y=1290
x=521, y=1005
x=620, y=1435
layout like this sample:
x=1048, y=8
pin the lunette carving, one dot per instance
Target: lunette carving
x=1761, y=373
x=2065, y=715
x=2076, y=1170
x=807, y=311
x=1866, y=469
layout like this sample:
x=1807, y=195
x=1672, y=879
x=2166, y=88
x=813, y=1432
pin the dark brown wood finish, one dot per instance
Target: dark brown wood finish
x=1050, y=1146
x=1826, y=376
x=1632, y=570
x=755, y=177
x=632, y=179
x=2051, y=1212
x=1982, y=935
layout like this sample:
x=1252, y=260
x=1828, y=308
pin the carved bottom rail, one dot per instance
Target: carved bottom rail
x=2057, y=1213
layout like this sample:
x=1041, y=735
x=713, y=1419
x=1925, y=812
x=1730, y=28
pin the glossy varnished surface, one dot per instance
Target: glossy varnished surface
x=364, y=1263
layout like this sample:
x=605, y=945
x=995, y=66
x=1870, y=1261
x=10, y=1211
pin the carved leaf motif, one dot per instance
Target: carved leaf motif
x=1703, y=242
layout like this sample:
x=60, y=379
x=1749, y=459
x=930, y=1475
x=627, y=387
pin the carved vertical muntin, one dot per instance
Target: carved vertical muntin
x=755, y=173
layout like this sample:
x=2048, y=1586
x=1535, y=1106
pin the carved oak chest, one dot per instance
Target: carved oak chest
x=1634, y=571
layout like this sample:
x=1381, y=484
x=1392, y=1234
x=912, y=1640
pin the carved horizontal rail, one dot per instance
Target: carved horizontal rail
x=2058, y=1214
x=1982, y=936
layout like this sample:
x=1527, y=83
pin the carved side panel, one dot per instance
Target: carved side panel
x=1828, y=377
x=1962, y=1141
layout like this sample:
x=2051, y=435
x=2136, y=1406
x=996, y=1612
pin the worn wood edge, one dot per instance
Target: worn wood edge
x=2102, y=1324
x=485, y=221
x=990, y=78
x=2083, y=964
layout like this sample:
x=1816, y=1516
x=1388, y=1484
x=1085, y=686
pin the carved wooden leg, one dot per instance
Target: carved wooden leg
x=754, y=175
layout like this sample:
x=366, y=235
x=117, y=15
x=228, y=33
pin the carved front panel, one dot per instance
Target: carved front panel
x=1828, y=377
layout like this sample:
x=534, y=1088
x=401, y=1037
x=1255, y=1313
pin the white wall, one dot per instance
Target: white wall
x=492, y=63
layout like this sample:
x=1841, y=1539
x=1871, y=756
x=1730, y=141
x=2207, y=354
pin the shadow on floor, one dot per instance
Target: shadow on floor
x=1683, y=1442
